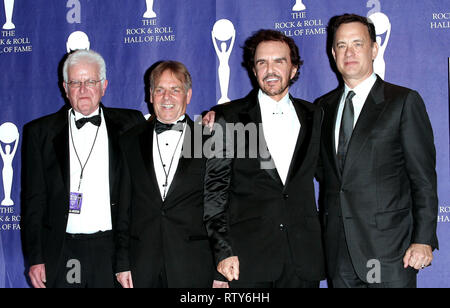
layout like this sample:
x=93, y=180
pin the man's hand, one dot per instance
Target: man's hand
x=229, y=268
x=418, y=256
x=125, y=279
x=209, y=119
x=37, y=276
x=220, y=284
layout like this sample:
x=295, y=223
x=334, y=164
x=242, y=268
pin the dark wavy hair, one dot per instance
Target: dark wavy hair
x=265, y=35
x=337, y=21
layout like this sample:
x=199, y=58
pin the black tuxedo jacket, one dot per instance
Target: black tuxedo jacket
x=46, y=181
x=250, y=213
x=152, y=234
x=386, y=194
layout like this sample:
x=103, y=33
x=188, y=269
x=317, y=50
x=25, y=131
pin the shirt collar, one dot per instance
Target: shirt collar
x=80, y=115
x=363, y=89
x=179, y=119
x=267, y=102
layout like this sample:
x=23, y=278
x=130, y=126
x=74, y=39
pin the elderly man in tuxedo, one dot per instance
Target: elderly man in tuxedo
x=70, y=181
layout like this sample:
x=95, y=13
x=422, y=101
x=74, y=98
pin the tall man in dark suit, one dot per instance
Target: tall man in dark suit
x=161, y=237
x=378, y=179
x=70, y=183
x=260, y=208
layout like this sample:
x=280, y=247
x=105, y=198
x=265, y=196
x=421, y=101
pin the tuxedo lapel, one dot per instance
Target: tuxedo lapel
x=373, y=107
x=305, y=123
x=113, y=147
x=329, y=129
x=253, y=115
x=61, y=146
x=146, y=145
x=183, y=163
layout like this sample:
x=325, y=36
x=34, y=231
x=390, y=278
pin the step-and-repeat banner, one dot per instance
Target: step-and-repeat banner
x=207, y=36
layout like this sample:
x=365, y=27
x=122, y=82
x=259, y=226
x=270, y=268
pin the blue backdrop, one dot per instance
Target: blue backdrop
x=133, y=35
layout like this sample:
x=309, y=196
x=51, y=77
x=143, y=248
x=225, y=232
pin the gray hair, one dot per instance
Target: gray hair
x=85, y=56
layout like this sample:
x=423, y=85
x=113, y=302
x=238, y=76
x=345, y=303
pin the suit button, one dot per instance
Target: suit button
x=282, y=227
x=285, y=196
x=163, y=213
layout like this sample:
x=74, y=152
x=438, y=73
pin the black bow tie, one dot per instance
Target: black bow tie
x=162, y=127
x=96, y=120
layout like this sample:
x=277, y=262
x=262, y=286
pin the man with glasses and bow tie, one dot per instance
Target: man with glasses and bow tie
x=161, y=238
x=70, y=181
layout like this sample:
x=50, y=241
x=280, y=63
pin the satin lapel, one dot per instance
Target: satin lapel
x=373, y=107
x=184, y=161
x=146, y=143
x=61, y=147
x=253, y=115
x=113, y=148
x=304, y=125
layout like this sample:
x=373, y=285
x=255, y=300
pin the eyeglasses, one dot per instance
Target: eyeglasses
x=87, y=83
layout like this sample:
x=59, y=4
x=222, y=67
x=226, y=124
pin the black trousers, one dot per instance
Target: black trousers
x=288, y=278
x=147, y=282
x=87, y=262
x=346, y=277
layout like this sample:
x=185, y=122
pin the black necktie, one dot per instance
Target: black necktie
x=162, y=127
x=96, y=120
x=346, y=130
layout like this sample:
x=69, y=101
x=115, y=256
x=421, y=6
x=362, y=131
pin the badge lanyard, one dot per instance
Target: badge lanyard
x=76, y=153
x=170, y=166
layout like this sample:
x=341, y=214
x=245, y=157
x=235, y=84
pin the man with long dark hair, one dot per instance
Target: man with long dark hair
x=260, y=209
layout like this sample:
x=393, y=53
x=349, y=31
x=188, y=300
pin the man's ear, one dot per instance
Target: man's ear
x=104, y=86
x=189, y=96
x=375, y=48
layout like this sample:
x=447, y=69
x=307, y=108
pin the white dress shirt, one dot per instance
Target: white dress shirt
x=170, y=145
x=281, y=128
x=361, y=93
x=95, y=213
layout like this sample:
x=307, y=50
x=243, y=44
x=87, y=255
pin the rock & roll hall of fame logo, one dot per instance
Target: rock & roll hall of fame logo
x=299, y=6
x=77, y=40
x=149, y=13
x=9, y=8
x=223, y=31
x=383, y=33
x=9, y=140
